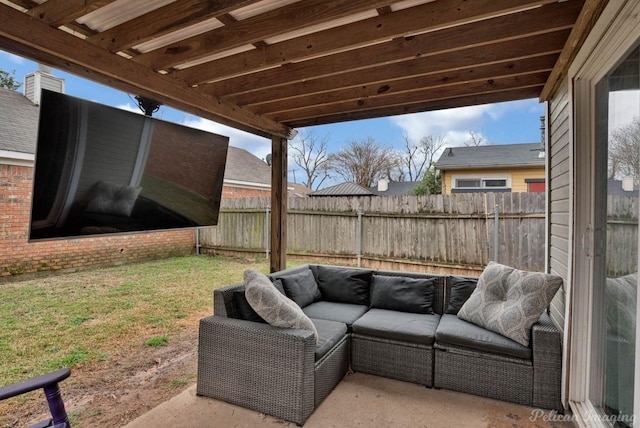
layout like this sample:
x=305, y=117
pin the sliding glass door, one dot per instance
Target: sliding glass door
x=615, y=237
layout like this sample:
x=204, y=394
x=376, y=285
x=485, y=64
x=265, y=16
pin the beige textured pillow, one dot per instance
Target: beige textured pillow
x=274, y=307
x=509, y=301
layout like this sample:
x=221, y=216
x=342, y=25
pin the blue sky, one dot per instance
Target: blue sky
x=503, y=123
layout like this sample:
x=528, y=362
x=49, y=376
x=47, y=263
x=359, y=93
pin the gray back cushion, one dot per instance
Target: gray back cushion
x=344, y=285
x=400, y=293
x=300, y=286
x=459, y=289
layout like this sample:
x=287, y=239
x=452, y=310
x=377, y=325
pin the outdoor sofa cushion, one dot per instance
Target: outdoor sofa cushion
x=396, y=325
x=346, y=313
x=344, y=285
x=272, y=306
x=509, y=301
x=454, y=331
x=329, y=334
x=403, y=294
x=460, y=290
x=244, y=309
x=301, y=287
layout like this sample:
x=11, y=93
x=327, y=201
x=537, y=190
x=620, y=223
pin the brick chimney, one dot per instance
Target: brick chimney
x=41, y=79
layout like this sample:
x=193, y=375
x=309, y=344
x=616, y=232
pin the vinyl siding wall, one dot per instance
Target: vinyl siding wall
x=559, y=195
x=518, y=176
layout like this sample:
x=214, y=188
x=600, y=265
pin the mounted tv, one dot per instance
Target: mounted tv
x=102, y=170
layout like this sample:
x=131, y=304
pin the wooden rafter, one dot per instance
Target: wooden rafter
x=35, y=39
x=380, y=29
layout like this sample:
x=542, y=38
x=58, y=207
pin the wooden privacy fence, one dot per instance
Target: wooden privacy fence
x=436, y=233
x=440, y=233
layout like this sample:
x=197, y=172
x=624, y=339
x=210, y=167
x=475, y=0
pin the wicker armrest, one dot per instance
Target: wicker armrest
x=546, y=342
x=257, y=366
x=223, y=300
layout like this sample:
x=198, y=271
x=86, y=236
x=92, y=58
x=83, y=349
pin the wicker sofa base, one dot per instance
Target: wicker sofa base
x=393, y=359
x=330, y=370
x=487, y=375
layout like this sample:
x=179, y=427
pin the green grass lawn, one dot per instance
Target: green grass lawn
x=72, y=319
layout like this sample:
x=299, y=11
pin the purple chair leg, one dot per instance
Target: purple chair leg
x=56, y=405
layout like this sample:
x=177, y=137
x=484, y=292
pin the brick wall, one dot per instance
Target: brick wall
x=230, y=192
x=17, y=255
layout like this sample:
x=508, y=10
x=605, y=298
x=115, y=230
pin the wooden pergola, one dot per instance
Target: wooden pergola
x=270, y=66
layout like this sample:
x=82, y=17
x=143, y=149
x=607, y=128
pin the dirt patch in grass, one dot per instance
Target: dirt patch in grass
x=113, y=394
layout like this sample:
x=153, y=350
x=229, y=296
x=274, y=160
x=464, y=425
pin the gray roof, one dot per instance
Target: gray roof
x=344, y=189
x=492, y=156
x=353, y=189
x=395, y=188
x=18, y=122
x=243, y=166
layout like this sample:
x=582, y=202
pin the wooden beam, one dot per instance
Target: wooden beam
x=423, y=66
x=468, y=100
x=61, y=12
x=416, y=97
x=34, y=39
x=584, y=24
x=516, y=26
x=283, y=20
x=279, y=182
x=162, y=21
x=432, y=82
x=419, y=19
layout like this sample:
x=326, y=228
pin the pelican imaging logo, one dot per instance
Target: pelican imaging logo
x=553, y=416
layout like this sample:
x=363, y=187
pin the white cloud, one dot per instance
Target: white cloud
x=14, y=58
x=254, y=144
x=453, y=124
x=129, y=107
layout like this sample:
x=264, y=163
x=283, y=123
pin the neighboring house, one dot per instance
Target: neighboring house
x=384, y=188
x=493, y=168
x=247, y=176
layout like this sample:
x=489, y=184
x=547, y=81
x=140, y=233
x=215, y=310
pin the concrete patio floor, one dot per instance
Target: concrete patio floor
x=360, y=400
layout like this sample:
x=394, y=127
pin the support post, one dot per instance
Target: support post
x=359, y=238
x=279, y=168
x=496, y=233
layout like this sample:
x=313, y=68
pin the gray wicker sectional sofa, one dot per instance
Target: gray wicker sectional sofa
x=399, y=325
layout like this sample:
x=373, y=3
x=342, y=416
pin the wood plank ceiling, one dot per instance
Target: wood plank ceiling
x=269, y=66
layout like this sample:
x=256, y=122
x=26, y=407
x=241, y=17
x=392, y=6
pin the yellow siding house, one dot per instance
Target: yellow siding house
x=493, y=168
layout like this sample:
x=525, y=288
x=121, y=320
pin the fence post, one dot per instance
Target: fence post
x=267, y=226
x=197, y=231
x=496, y=233
x=359, y=238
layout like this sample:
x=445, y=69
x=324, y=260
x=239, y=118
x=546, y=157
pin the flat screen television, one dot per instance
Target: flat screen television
x=103, y=170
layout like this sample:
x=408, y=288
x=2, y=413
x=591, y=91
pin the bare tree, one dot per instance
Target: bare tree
x=364, y=162
x=475, y=139
x=309, y=152
x=415, y=159
x=624, y=151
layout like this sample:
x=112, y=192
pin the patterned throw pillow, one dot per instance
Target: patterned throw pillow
x=111, y=198
x=509, y=301
x=621, y=305
x=272, y=306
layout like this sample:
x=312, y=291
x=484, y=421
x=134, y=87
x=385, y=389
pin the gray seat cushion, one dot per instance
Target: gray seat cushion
x=454, y=331
x=394, y=325
x=329, y=334
x=333, y=311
